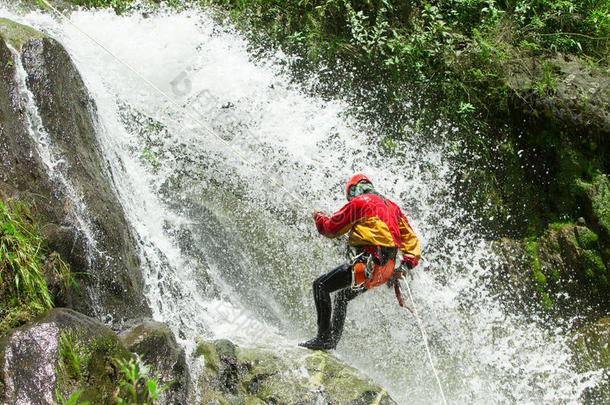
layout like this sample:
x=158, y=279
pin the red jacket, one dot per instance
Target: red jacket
x=372, y=223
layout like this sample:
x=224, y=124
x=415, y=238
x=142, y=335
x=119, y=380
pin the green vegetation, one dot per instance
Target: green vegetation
x=136, y=375
x=481, y=64
x=73, y=400
x=119, y=6
x=74, y=357
x=586, y=238
x=455, y=49
x=100, y=369
x=26, y=263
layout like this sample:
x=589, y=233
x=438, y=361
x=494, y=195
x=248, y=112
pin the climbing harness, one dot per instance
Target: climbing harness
x=297, y=198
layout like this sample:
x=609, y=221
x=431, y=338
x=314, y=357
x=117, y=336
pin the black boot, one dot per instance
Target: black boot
x=320, y=342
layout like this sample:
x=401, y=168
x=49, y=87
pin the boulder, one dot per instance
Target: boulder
x=156, y=345
x=84, y=220
x=236, y=375
x=62, y=352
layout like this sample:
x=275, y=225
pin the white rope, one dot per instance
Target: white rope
x=296, y=198
x=425, y=338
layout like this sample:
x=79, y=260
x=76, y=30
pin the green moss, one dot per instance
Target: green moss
x=593, y=261
x=601, y=201
x=555, y=275
x=546, y=300
x=208, y=351
x=539, y=278
x=586, y=238
x=591, y=345
x=530, y=246
x=597, y=194
x=16, y=34
x=557, y=226
x=595, y=271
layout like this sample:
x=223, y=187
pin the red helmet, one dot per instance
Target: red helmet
x=356, y=178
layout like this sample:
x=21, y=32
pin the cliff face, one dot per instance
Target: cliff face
x=69, y=188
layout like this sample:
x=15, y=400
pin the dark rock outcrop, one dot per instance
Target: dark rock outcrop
x=565, y=270
x=571, y=94
x=157, y=347
x=104, y=256
x=64, y=351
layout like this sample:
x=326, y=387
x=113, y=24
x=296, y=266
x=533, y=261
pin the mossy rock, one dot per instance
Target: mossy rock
x=157, y=347
x=64, y=351
x=559, y=271
x=587, y=239
x=597, y=201
x=592, y=345
x=284, y=376
x=16, y=34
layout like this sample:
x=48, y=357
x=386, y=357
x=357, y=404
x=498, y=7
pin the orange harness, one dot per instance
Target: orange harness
x=381, y=274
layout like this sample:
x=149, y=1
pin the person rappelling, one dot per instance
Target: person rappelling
x=377, y=229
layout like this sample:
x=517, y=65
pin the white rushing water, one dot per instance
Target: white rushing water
x=226, y=253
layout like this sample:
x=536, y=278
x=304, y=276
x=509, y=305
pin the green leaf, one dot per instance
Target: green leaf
x=152, y=387
x=8, y=228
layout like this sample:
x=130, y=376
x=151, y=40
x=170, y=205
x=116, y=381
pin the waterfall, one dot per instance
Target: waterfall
x=226, y=253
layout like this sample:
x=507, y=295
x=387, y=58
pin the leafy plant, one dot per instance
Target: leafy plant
x=72, y=400
x=73, y=356
x=119, y=6
x=25, y=263
x=136, y=375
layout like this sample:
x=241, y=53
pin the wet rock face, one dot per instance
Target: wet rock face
x=157, y=347
x=108, y=273
x=566, y=270
x=591, y=349
x=572, y=262
x=574, y=95
x=295, y=376
x=35, y=360
x=22, y=169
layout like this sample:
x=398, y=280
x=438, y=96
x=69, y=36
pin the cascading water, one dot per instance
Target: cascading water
x=225, y=253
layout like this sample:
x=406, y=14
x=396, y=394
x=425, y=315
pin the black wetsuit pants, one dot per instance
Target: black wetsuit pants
x=339, y=279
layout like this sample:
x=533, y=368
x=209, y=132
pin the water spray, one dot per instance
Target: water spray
x=297, y=198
